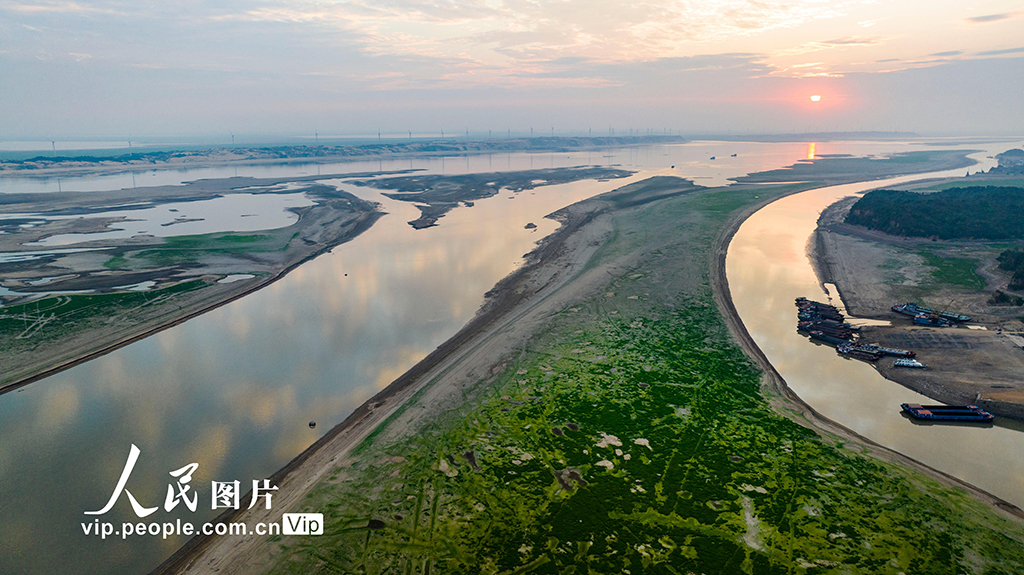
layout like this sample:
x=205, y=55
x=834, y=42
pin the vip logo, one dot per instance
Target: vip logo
x=302, y=524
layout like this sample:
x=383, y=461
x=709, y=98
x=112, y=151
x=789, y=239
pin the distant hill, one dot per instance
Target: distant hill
x=989, y=213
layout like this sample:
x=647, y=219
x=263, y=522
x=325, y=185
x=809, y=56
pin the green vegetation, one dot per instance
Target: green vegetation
x=54, y=317
x=1013, y=261
x=116, y=263
x=954, y=271
x=1000, y=297
x=182, y=250
x=634, y=437
x=992, y=213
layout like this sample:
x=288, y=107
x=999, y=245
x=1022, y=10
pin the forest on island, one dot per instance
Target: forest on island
x=985, y=213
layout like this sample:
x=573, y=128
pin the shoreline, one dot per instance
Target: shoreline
x=429, y=149
x=505, y=305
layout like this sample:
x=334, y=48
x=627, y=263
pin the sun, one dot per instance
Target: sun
x=816, y=98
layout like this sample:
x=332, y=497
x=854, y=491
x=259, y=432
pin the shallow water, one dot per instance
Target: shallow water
x=231, y=213
x=768, y=267
x=235, y=389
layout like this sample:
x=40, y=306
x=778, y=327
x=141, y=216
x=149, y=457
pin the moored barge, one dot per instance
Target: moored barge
x=913, y=310
x=946, y=412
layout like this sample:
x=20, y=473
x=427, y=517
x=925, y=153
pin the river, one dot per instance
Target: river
x=768, y=266
x=234, y=389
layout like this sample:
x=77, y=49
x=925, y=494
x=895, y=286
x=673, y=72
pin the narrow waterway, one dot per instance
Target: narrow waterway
x=768, y=267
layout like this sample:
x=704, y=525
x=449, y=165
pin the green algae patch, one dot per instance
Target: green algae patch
x=633, y=436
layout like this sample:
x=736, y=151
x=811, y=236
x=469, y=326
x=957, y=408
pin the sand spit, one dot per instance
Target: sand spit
x=553, y=275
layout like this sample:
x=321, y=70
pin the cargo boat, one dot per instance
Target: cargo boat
x=894, y=352
x=856, y=352
x=840, y=332
x=913, y=310
x=933, y=320
x=826, y=338
x=946, y=412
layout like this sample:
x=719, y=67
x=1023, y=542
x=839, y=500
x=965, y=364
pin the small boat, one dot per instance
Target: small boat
x=946, y=412
x=907, y=362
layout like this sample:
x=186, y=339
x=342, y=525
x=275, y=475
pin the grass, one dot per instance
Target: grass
x=953, y=271
x=183, y=250
x=116, y=263
x=633, y=437
x=52, y=319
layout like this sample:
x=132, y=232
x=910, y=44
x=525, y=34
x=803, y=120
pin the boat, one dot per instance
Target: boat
x=913, y=310
x=817, y=335
x=933, y=320
x=895, y=352
x=946, y=412
x=856, y=352
x=834, y=332
x=907, y=362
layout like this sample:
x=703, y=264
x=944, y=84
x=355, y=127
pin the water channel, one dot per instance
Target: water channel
x=768, y=267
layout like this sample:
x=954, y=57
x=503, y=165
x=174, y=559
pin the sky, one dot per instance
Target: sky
x=112, y=68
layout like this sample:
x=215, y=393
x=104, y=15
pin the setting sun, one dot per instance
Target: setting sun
x=815, y=98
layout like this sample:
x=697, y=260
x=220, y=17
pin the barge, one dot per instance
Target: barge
x=913, y=310
x=857, y=352
x=946, y=412
x=892, y=351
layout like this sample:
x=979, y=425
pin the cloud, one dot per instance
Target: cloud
x=1001, y=52
x=947, y=53
x=991, y=17
x=850, y=41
